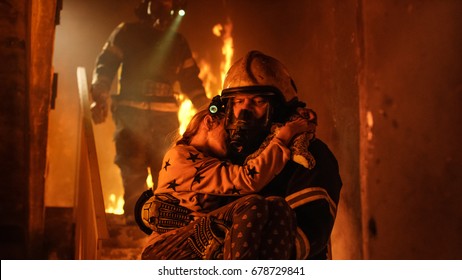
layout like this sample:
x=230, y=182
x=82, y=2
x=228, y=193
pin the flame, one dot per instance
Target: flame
x=212, y=86
x=185, y=113
x=209, y=80
x=115, y=205
x=149, y=182
x=228, y=46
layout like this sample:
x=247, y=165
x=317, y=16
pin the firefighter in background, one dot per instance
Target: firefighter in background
x=313, y=193
x=152, y=57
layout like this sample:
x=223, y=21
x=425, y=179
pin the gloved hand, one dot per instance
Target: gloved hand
x=99, y=108
x=99, y=111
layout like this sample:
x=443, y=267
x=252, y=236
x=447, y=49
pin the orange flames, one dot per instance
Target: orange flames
x=185, y=112
x=224, y=31
x=115, y=205
x=212, y=86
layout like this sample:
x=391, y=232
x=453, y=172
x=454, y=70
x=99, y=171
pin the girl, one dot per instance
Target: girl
x=187, y=214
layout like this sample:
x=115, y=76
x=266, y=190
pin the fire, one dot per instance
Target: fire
x=149, y=182
x=115, y=205
x=185, y=113
x=212, y=86
x=224, y=31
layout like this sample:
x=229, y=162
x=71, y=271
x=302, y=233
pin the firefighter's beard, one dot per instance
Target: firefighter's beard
x=246, y=133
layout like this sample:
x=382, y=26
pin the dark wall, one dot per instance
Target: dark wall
x=411, y=101
x=14, y=130
x=26, y=49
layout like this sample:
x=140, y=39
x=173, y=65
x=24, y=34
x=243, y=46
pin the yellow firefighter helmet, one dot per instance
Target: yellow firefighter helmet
x=259, y=74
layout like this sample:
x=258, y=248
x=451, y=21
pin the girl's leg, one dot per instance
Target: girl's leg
x=233, y=231
x=278, y=240
x=251, y=227
x=246, y=218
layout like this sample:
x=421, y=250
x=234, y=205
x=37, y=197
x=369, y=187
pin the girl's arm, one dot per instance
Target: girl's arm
x=186, y=169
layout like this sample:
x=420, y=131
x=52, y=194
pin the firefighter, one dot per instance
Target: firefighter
x=186, y=213
x=152, y=58
x=259, y=92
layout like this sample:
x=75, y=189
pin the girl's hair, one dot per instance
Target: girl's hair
x=194, y=124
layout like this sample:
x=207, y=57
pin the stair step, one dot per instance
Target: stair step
x=125, y=241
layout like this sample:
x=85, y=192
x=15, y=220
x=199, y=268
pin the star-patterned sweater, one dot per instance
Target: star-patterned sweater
x=199, y=180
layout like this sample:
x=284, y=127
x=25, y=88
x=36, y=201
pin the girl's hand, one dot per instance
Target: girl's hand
x=293, y=128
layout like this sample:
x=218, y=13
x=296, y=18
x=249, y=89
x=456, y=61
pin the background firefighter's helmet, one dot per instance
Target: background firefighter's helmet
x=153, y=10
x=259, y=74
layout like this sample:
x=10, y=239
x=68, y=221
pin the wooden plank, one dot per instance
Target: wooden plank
x=90, y=216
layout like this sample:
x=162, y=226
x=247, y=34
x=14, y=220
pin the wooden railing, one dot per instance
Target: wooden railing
x=90, y=218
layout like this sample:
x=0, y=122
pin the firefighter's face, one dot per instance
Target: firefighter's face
x=160, y=9
x=163, y=5
x=247, y=122
x=255, y=104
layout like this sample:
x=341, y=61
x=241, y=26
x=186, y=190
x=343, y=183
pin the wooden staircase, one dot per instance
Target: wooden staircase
x=125, y=242
x=98, y=235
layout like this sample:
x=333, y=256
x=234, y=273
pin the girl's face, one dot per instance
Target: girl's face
x=218, y=139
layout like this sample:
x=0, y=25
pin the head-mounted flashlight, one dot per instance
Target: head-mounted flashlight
x=217, y=105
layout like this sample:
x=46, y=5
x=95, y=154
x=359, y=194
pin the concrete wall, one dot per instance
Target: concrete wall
x=411, y=101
